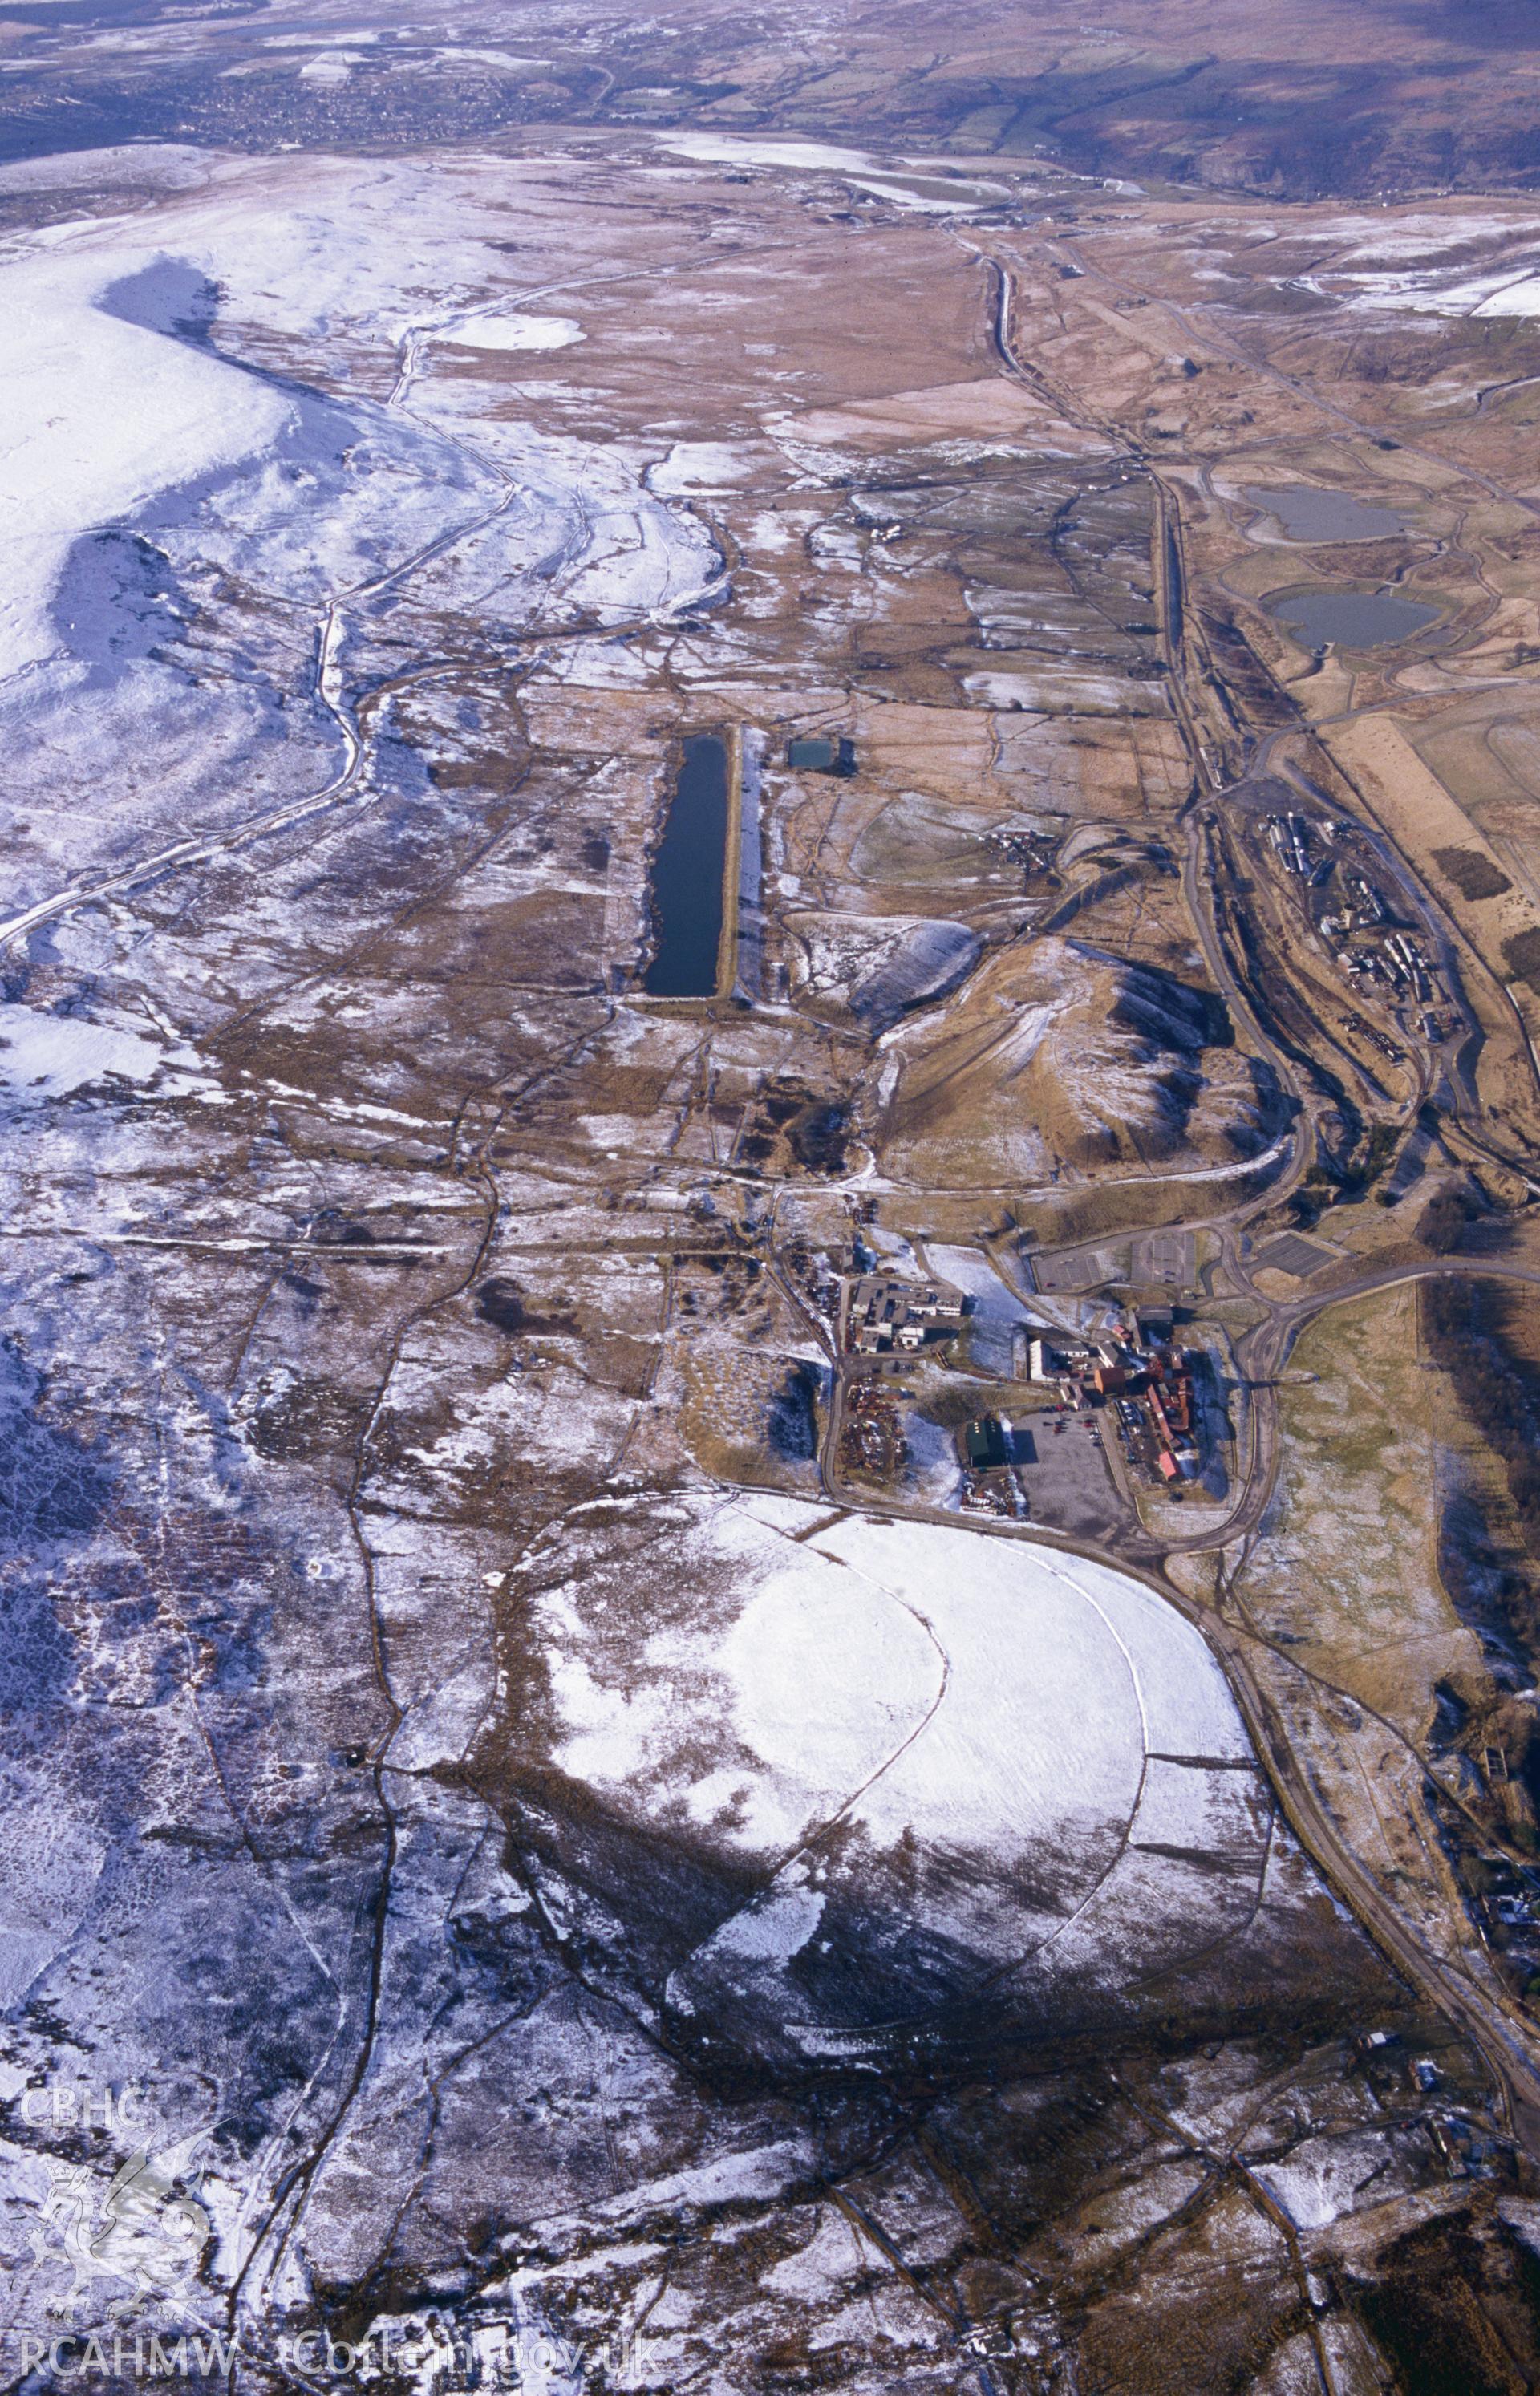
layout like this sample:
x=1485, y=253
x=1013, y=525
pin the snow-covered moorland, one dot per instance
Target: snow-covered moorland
x=541, y=1848
x=204, y=530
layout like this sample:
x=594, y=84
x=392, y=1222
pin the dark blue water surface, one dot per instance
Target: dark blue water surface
x=687, y=874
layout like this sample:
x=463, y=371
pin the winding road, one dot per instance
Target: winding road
x=1495, y=2024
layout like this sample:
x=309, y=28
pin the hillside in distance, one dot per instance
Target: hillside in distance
x=1385, y=99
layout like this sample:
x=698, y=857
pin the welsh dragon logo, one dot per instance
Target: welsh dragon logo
x=136, y=2230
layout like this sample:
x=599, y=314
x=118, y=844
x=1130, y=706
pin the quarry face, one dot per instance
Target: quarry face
x=770, y=1370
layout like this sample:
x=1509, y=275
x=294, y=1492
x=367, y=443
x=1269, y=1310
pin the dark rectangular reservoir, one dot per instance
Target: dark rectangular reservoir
x=688, y=872
x=813, y=754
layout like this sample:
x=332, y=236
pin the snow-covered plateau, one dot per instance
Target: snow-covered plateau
x=202, y=547
x=921, y=1774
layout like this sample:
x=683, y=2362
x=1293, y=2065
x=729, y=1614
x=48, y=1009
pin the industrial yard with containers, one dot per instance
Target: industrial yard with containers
x=1373, y=939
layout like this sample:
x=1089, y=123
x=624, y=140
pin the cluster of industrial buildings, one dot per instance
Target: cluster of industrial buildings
x=1137, y=1373
x=1033, y=851
x=884, y=1315
x=1359, y=928
x=1145, y=1381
